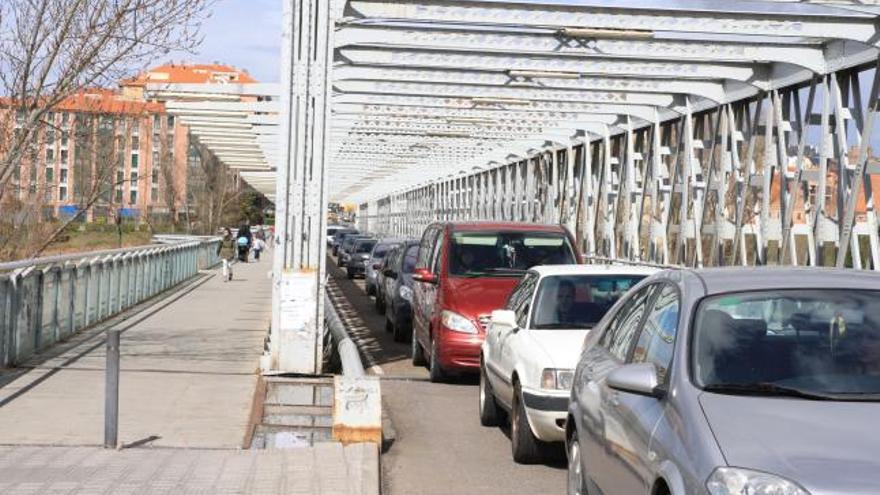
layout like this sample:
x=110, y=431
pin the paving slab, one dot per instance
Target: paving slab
x=189, y=370
x=328, y=469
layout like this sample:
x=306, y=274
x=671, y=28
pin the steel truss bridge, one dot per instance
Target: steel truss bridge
x=681, y=132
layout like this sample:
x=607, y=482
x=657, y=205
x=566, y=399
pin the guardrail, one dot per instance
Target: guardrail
x=347, y=349
x=46, y=300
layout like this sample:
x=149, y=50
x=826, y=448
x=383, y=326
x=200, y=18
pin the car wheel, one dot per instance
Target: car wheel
x=525, y=447
x=389, y=327
x=437, y=373
x=349, y=273
x=418, y=354
x=576, y=484
x=380, y=303
x=489, y=414
x=399, y=334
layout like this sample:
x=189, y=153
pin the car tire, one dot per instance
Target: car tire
x=418, y=354
x=389, y=327
x=525, y=447
x=576, y=484
x=489, y=413
x=399, y=333
x=436, y=371
x=380, y=303
x=349, y=273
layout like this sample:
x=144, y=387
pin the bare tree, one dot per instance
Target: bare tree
x=211, y=189
x=50, y=49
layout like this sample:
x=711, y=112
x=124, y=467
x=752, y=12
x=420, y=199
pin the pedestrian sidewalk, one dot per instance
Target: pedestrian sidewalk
x=326, y=469
x=189, y=371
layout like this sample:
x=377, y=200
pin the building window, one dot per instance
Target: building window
x=154, y=194
x=64, y=157
x=50, y=118
x=65, y=119
x=132, y=196
x=64, y=176
x=64, y=138
x=155, y=176
x=157, y=123
x=119, y=195
x=134, y=178
x=135, y=128
x=134, y=160
x=50, y=155
x=19, y=117
x=120, y=176
x=135, y=143
x=155, y=158
x=156, y=141
x=171, y=123
x=50, y=136
x=50, y=175
x=62, y=193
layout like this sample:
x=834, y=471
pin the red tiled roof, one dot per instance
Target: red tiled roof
x=100, y=100
x=193, y=74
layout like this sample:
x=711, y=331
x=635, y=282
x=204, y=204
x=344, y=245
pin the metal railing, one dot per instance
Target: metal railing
x=347, y=349
x=46, y=300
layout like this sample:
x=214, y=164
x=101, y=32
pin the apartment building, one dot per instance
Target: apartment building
x=114, y=151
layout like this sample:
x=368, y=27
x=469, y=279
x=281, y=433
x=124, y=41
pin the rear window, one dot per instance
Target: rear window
x=381, y=250
x=506, y=253
x=364, y=246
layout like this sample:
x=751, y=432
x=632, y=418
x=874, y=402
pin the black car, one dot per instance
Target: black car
x=359, y=256
x=397, y=290
x=338, y=236
x=344, y=250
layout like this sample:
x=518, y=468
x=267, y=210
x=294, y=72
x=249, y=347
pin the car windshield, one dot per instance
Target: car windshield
x=806, y=343
x=506, y=253
x=577, y=301
x=364, y=246
x=409, y=260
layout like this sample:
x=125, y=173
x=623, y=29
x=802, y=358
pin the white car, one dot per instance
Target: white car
x=532, y=347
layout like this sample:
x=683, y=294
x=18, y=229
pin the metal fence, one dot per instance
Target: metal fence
x=44, y=301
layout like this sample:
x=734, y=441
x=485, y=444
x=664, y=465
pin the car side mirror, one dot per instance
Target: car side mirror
x=637, y=378
x=424, y=275
x=504, y=318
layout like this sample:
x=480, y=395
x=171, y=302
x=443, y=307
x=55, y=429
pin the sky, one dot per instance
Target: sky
x=243, y=33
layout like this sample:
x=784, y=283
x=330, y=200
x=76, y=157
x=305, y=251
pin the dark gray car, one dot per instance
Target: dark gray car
x=343, y=251
x=359, y=256
x=397, y=291
x=339, y=236
x=731, y=381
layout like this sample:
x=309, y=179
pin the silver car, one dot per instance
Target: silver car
x=731, y=381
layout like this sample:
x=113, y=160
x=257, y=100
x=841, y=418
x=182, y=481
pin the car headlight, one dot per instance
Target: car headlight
x=406, y=293
x=365, y=256
x=556, y=379
x=736, y=481
x=457, y=323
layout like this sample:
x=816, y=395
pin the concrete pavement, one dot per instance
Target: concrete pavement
x=326, y=469
x=189, y=370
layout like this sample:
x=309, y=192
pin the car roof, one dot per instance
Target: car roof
x=737, y=279
x=515, y=226
x=551, y=270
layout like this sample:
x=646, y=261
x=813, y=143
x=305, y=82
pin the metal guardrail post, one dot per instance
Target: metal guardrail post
x=111, y=391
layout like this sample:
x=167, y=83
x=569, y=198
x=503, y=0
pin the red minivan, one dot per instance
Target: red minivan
x=464, y=272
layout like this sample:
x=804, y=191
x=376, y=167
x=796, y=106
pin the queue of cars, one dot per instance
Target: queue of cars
x=657, y=382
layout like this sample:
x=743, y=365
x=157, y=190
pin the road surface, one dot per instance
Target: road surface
x=440, y=446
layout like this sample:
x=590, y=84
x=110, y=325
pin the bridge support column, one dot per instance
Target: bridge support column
x=301, y=193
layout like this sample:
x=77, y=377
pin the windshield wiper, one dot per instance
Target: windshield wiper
x=767, y=389
x=511, y=271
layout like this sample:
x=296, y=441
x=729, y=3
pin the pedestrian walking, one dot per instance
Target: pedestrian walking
x=259, y=246
x=226, y=251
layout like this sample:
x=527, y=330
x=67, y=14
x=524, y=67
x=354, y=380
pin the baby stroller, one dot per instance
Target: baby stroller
x=243, y=249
